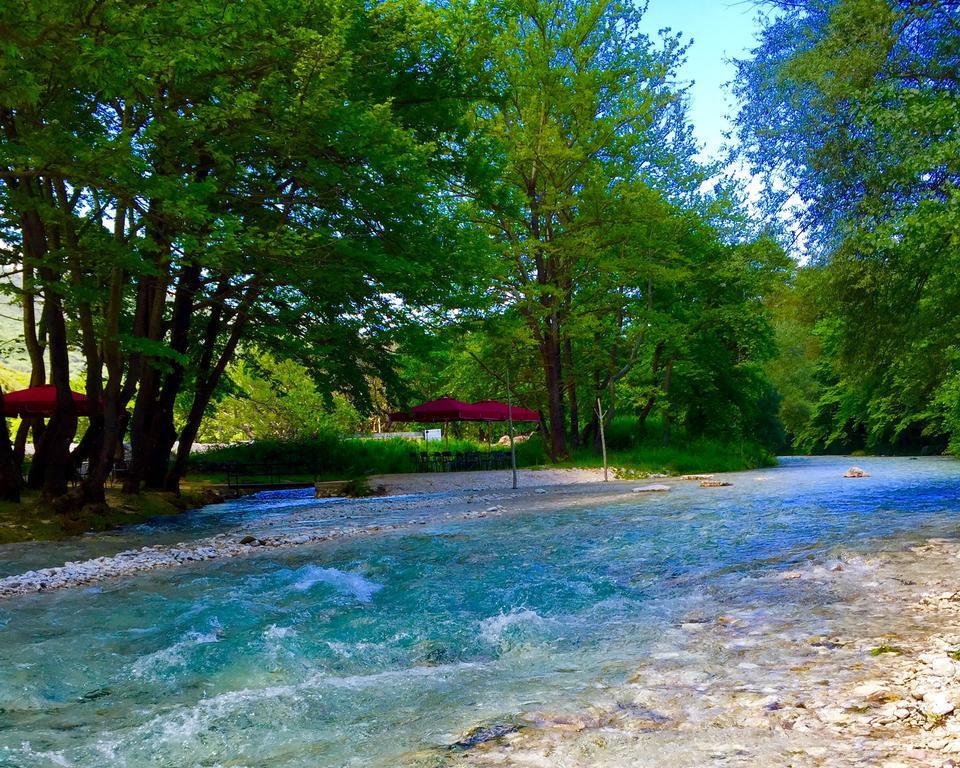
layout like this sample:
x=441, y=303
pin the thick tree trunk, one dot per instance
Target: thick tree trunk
x=9, y=471
x=51, y=463
x=162, y=433
x=113, y=418
x=553, y=374
x=53, y=453
x=151, y=303
x=147, y=391
x=209, y=378
x=667, y=372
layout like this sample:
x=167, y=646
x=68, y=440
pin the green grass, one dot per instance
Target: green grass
x=697, y=456
x=334, y=458
x=32, y=520
x=642, y=450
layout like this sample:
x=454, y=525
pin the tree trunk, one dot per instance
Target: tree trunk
x=53, y=453
x=572, y=394
x=162, y=432
x=668, y=370
x=151, y=303
x=113, y=418
x=9, y=472
x=651, y=401
x=207, y=384
x=550, y=353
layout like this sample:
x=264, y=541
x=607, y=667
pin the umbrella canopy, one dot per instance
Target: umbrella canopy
x=501, y=411
x=442, y=410
x=448, y=409
x=40, y=401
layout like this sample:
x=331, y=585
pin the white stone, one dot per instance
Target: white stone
x=942, y=667
x=869, y=689
x=937, y=704
x=652, y=489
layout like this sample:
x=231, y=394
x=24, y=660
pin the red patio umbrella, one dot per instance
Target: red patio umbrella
x=40, y=401
x=501, y=411
x=443, y=409
x=448, y=409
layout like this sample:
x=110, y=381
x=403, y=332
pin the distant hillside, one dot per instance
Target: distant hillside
x=13, y=355
x=11, y=379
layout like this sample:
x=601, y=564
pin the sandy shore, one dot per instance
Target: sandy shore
x=886, y=692
x=500, y=479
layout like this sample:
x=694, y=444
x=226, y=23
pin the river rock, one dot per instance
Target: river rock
x=652, y=488
x=871, y=689
x=484, y=733
x=937, y=704
x=714, y=484
x=856, y=472
x=942, y=667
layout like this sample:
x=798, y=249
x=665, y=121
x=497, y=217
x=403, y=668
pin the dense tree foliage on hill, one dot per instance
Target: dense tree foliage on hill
x=852, y=113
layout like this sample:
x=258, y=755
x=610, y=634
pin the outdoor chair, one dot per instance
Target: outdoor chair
x=425, y=463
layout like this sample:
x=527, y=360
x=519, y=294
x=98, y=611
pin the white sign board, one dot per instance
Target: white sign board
x=433, y=435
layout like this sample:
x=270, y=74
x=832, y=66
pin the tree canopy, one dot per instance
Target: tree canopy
x=329, y=210
x=851, y=114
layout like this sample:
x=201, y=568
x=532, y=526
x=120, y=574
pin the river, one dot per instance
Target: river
x=385, y=650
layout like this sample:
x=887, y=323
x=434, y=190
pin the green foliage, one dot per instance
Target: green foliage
x=336, y=457
x=642, y=450
x=852, y=113
x=271, y=399
x=880, y=650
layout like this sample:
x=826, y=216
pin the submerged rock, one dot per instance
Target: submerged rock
x=652, y=488
x=856, y=472
x=484, y=733
x=714, y=484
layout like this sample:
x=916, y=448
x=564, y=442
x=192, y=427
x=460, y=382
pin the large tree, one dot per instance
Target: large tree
x=179, y=177
x=585, y=104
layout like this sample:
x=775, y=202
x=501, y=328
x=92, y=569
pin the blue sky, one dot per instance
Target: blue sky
x=720, y=29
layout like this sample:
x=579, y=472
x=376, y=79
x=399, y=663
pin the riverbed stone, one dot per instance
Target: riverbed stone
x=937, y=704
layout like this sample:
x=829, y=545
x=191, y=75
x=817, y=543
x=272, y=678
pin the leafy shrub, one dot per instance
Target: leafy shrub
x=332, y=456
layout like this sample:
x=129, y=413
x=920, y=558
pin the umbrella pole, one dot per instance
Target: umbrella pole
x=513, y=451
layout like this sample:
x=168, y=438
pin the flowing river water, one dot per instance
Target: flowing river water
x=386, y=650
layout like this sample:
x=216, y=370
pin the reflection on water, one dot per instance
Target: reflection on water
x=364, y=652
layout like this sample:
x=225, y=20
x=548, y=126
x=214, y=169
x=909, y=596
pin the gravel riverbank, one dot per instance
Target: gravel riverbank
x=741, y=690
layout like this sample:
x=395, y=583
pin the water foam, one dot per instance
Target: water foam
x=346, y=583
x=497, y=629
x=174, y=655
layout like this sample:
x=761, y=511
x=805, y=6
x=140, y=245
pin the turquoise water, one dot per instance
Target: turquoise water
x=383, y=651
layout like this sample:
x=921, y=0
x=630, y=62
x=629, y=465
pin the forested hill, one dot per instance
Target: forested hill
x=397, y=200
